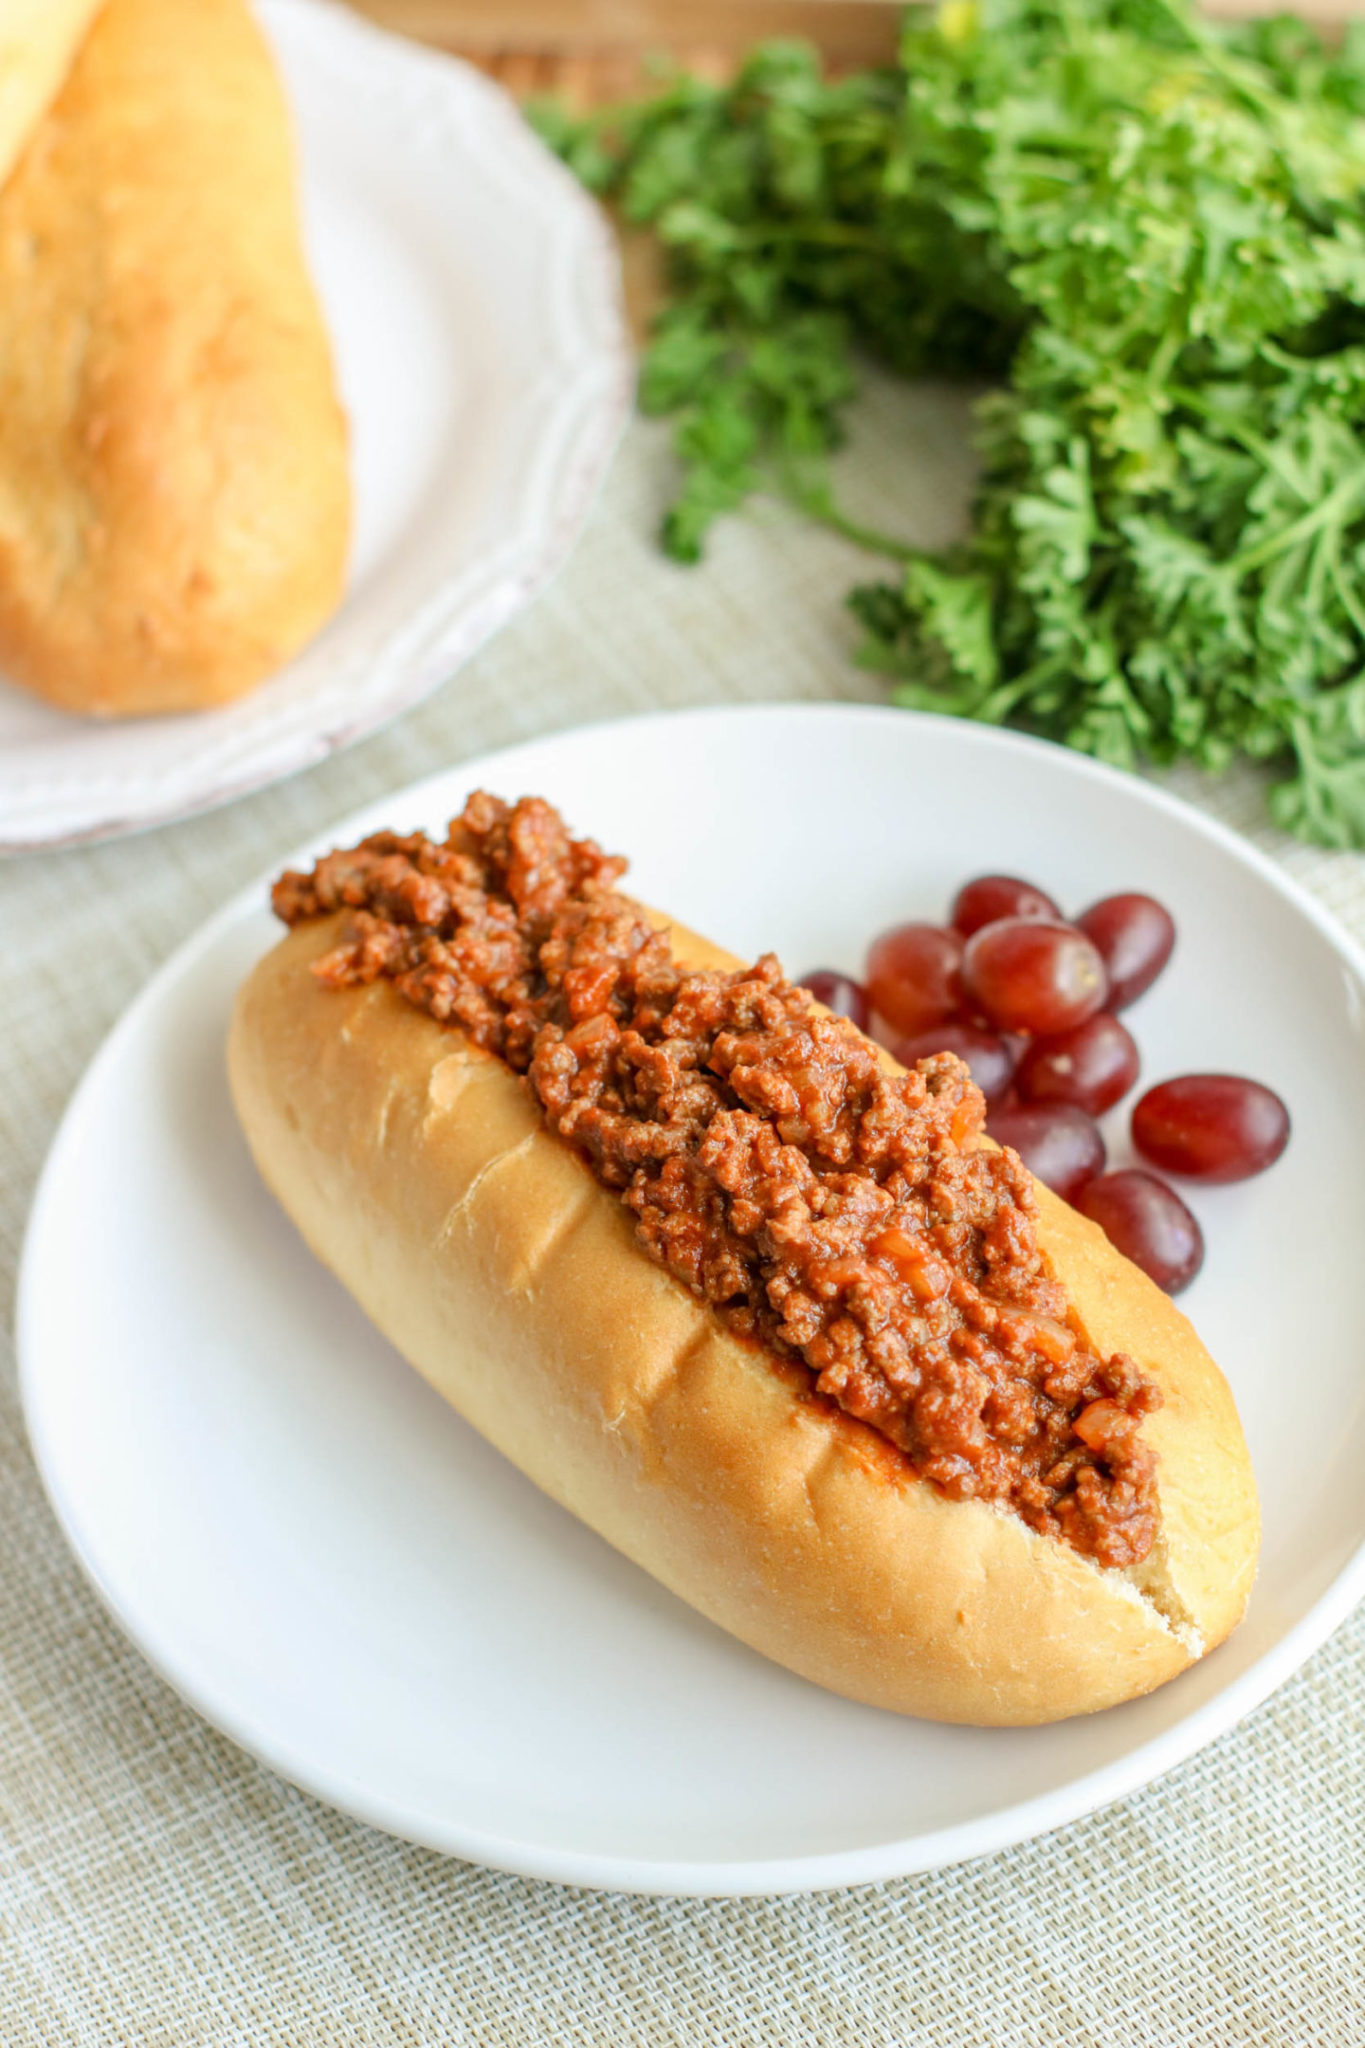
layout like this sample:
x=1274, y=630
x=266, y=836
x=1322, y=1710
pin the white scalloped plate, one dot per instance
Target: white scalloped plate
x=341, y=1575
x=472, y=293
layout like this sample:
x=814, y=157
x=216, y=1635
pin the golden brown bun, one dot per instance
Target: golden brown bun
x=38, y=39
x=174, y=500
x=419, y=1170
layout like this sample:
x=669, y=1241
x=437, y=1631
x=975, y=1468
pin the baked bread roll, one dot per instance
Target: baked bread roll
x=420, y=1168
x=38, y=39
x=174, y=495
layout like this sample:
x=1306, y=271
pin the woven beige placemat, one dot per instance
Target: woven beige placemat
x=158, y=1887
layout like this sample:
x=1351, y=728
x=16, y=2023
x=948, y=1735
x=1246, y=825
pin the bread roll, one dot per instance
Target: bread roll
x=420, y=1170
x=174, y=499
x=38, y=39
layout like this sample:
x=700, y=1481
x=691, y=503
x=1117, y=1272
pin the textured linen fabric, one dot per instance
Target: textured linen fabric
x=157, y=1886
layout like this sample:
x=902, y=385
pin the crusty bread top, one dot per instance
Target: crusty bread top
x=38, y=41
x=174, y=491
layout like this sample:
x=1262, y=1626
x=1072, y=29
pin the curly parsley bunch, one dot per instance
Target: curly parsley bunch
x=1151, y=234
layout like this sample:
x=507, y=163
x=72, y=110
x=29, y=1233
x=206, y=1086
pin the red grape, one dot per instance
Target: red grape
x=988, y=1058
x=1148, y=1223
x=837, y=992
x=1092, y=1065
x=991, y=897
x=1135, y=937
x=914, y=977
x=1212, y=1127
x=1028, y=974
x=1059, y=1144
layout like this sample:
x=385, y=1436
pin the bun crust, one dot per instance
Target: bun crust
x=174, y=496
x=38, y=39
x=419, y=1169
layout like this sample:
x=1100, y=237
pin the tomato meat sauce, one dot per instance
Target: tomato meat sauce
x=835, y=1211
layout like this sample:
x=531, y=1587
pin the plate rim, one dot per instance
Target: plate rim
x=600, y=399
x=959, y=1842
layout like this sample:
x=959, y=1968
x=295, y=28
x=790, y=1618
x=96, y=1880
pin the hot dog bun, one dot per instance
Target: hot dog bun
x=174, y=498
x=38, y=39
x=419, y=1169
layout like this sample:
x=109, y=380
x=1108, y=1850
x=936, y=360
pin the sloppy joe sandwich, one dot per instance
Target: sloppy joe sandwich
x=764, y=1309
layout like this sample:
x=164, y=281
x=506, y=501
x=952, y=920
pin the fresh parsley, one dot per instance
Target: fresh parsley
x=1149, y=233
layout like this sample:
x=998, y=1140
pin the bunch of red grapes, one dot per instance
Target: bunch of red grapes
x=1030, y=1002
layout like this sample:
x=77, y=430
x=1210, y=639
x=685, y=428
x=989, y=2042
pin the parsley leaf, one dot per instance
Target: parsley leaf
x=1150, y=233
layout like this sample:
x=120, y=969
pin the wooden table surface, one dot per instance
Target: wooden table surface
x=597, y=50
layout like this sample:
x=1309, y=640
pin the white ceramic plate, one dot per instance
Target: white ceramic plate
x=472, y=293
x=331, y=1567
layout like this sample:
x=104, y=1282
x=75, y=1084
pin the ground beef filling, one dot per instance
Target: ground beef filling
x=839, y=1213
